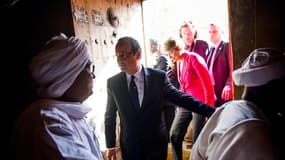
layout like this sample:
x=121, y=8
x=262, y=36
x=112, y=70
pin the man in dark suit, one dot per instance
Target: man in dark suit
x=143, y=134
x=219, y=63
x=158, y=59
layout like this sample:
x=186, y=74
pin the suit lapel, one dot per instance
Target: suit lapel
x=184, y=68
x=220, y=47
x=147, y=86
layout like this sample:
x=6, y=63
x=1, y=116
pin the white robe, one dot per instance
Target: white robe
x=236, y=131
x=51, y=129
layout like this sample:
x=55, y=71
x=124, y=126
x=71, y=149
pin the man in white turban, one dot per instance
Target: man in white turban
x=54, y=126
x=253, y=127
x=58, y=65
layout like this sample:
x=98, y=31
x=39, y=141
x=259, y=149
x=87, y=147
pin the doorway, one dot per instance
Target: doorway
x=162, y=18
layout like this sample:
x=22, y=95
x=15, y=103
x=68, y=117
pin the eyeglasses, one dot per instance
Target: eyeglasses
x=90, y=67
x=123, y=56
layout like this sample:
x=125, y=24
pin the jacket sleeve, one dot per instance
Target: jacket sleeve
x=184, y=100
x=229, y=55
x=110, y=119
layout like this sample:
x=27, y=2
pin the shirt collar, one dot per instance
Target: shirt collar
x=73, y=109
x=138, y=74
x=216, y=46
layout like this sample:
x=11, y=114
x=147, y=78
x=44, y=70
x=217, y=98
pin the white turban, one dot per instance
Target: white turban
x=261, y=66
x=57, y=66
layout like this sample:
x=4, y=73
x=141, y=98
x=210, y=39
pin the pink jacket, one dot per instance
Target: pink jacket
x=194, y=77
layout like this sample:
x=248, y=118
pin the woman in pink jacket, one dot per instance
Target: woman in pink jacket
x=195, y=80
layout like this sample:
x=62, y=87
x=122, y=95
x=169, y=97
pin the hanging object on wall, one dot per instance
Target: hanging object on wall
x=112, y=17
x=80, y=14
x=97, y=17
x=130, y=6
x=114, y=33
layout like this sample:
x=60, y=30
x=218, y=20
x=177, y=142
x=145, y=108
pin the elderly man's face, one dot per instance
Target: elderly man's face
x=82, y=87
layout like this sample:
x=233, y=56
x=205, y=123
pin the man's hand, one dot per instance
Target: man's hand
x=111, y=154
x=227, y=93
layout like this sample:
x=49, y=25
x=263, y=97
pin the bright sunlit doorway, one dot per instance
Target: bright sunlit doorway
x=161, y=18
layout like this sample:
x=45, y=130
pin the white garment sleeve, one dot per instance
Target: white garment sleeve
x=231, y=134
x=70, y=138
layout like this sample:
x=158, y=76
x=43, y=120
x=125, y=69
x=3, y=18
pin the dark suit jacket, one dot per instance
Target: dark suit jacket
x=221, y=70
x=162, y=63
x=143, y=134
x=200, y=47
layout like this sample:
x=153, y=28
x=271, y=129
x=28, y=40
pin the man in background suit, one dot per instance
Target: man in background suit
x=219, y=63
x=160, y=60
x=189, y=34
x=143, y=134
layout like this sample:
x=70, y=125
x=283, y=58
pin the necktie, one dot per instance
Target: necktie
x=134, y=93
x=212, y=60
x=210, y=56
x=212, y=64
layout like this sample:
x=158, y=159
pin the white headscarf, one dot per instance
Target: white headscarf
x=57, y=66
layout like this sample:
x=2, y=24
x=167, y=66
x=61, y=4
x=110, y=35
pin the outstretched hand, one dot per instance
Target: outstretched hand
x=227, y=93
